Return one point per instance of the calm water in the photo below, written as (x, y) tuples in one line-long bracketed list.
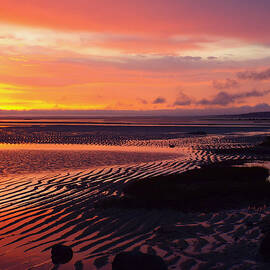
[(75, 165), (31, 158), (36, 145)]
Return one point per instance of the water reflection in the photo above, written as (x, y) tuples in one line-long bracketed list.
[(29, 158)]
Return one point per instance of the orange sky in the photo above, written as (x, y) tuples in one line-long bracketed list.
[(134, 55)]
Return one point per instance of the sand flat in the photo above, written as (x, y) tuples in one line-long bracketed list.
[(41, 209)]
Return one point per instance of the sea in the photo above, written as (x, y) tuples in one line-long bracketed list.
[(55, 172), (39, 144)]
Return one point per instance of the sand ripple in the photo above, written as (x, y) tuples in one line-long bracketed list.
[(40, 210)]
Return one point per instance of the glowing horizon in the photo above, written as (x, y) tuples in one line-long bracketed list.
[(152, 56)]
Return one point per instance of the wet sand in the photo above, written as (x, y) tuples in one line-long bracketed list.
[(39, 210)]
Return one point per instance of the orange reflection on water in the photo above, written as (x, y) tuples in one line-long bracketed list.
[(90, 147), (17, 159)]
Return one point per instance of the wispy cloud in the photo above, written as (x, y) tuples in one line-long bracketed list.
[(224, 98), (142, 100), (182, 100), (159, 100), (253, 75), (227, 84)]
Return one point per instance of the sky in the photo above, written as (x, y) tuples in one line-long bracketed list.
[(176, 57)]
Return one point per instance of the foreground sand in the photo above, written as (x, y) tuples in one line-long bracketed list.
[(38, 211)]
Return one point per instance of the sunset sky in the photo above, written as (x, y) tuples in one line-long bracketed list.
[(179, 56)]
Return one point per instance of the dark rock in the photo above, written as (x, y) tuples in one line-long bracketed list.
[(264, 249), (61, 254), (138, 261)]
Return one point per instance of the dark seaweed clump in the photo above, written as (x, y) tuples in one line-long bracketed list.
[(266, 142), (205, 189)]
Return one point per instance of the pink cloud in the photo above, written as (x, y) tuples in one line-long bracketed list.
[(246, 19)]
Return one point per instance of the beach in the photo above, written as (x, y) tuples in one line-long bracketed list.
[(134, 135), (50, 192)]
